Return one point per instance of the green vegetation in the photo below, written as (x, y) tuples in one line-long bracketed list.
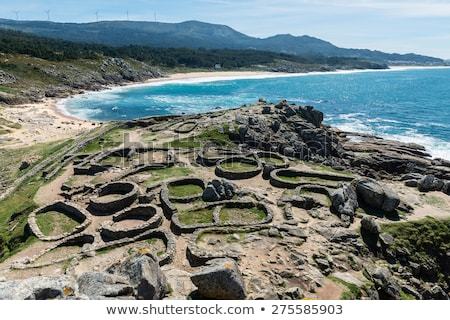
[(184, 190), (9, 124), (237, 166), (14, 209), (293, 179), (53, 223), (271, 160), (166, 173), (426, 242), (218, 136), (241, 215), (352, 292), (204, 215), (434, 201), (113, 138), (13, 42), (115, 161)]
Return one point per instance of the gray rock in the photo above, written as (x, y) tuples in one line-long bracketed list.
[(446, 188), (376, 196), (220, 279), (100, 285), (384, 282), (344, 200), (411, 183), (37, 288), (218, 190), (386, 240), (370, 225), (145, 276), (210, 194), (430, 183)]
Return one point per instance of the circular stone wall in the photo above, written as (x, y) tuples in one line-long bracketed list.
[(272, 159), (65, 208), (114, 196), (146, 214), (237, 168), (292, 178)]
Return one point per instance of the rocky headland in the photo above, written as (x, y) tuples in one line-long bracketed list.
[(259, 202)]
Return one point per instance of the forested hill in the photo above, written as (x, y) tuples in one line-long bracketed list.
[(33, 67), (194, 34)]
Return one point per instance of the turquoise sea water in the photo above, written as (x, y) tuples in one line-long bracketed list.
[(406, 105)]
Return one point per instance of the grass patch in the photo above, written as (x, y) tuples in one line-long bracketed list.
[(53, 223), (271, 161), (197, 216), (166, 173), (237, 166), (241, 215), (434, 201), (290, 178), (115, 161), (9, 124), (352, 292), (184, 190), (218, 135), (427, 242), (111, 139)]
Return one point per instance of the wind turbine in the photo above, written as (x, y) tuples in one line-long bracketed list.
[(48, 14), (96, 15), (17, 14), (128, 16)]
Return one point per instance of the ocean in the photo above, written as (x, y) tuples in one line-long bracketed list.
[(410, 105)]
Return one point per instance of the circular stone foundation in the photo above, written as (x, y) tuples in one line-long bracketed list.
[(272, 159), (61, 214), (131, 222), (186, 127), (113, 197), (237, 168), (292, 178)]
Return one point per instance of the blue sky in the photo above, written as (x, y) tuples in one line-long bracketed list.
[(393, 26)]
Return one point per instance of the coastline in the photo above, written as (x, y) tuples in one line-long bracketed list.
[(60, 124)]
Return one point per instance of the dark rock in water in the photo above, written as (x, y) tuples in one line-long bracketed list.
[(430, 183), (376, 196), (37, 288), (220, 279), (100, 285), (344, 201), (145, 276), (218, 190), (370, 225)]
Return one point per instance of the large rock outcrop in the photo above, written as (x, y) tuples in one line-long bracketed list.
[(220, 279), (377, 196)]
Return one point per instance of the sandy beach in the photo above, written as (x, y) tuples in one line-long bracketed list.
[(44, 121), (47, 121)]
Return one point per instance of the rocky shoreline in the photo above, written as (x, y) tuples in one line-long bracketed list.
[(260, 202)]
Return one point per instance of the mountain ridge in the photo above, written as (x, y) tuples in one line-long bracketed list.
[(196, 34)]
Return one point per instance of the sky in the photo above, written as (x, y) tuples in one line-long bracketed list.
[(401, 26)]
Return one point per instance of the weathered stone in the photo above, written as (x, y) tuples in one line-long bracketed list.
[(37, 288), (344, 200), (376, 196), (370, 225), (98, 285), (430, 183), (145, 276), (220, 279)]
